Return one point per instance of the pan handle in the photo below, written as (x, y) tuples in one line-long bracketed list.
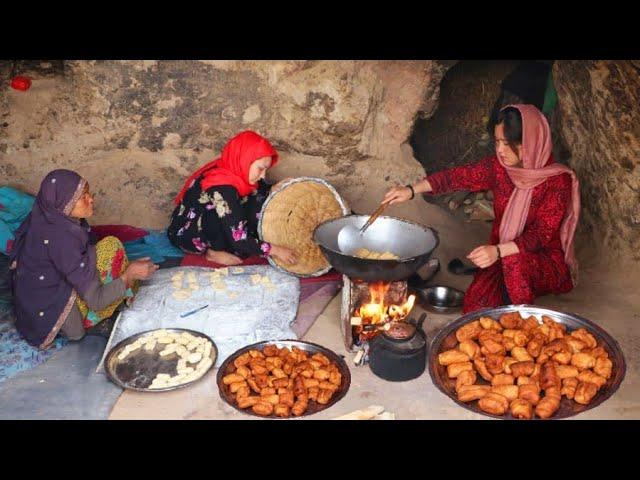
[(374, 216)]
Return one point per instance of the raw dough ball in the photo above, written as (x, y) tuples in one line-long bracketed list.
[(165, 339), (194, 357)]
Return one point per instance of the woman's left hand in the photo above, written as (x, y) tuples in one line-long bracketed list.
[(484, 256)]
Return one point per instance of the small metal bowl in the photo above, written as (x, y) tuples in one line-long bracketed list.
[(441, 299)]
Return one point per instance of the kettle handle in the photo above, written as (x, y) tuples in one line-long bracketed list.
[(418, 323)]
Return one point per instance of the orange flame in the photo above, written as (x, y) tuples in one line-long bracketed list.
[(377, 312)]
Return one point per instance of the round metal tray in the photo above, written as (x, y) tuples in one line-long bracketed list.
[(227, 367), (139, 368), (446, 339)]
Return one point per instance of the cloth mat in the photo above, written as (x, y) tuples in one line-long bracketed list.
[(245, 309), (14, 208)]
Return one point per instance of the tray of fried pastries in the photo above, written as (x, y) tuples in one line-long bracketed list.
[(526, 362), (283, 379), (160, 360)]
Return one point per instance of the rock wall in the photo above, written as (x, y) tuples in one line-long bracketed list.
[(136, 129), (600, 122)]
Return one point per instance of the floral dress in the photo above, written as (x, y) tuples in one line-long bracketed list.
[(219, 219)]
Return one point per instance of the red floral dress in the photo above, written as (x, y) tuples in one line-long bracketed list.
[(539, 268)]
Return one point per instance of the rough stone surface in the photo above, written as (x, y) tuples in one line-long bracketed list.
[(600, 109), (136, 129)]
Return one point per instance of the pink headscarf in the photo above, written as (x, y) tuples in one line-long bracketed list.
[(536, 149)]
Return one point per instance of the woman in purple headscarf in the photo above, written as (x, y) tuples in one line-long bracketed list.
[(55, 274)]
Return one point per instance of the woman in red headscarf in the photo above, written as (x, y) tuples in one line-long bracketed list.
[(536, 206), (218, 208)]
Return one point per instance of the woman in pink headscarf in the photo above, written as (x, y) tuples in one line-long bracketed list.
[(536, 204)]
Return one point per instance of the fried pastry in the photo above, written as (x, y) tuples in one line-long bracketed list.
[(603, 367), (453, 356), (493, 403), (469, 331), (585, 392), (521, 409)]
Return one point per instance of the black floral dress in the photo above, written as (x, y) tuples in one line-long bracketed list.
[(219, 219)]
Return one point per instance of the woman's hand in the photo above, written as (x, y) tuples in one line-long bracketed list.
[(397, 195), (484, 256), (283, 254), (140, 269)]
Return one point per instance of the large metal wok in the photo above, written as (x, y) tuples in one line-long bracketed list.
[(410, 241)]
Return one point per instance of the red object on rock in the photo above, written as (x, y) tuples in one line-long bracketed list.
[(21, 83)]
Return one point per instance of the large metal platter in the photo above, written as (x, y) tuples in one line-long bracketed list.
[(446, 340), (228, 367), (140, 367)]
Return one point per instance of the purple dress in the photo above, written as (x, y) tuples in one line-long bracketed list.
[(52, 259)]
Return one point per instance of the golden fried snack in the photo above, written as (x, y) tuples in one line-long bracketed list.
[(321, 374), (603, 367), (548, 405), (583, 361), (243, 392), (481, 366), (253, 385), (266, 391), (455, 369), (274, 362), (256, 354), (312, 382), (569, 386), (452, 356), (521, 354), (485, 335), (257, 369), (281, 410), (502, 379), (511, 320), (234, 387), (589, 376), (542, 358), (287, 398), (495, 363), (281, 382), (328, 386), (272, 399), (319, 357), (562, 358), (549, 377), (470, 348), (313, 393), (510, 392), (521, 409), (555, 346), (598, 352), (522, 369), (262, 408), (508, 344), (524, 381), (467, 377), (530, 324), (491, 347), (270, 350), (324, 396), (298, 387), (566, 371), (508, 361), (246, 402), (469, 393), (242, 360), (489, 323), (243, 371), (494, 404), (469, 331), (261, 380), (335, 377), (534, 346), (301, 405), (575, 344), (288, 368), (232, 378), (529, 392), (585, 336), (585, 392)]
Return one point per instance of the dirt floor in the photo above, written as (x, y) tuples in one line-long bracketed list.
[(607, 296)]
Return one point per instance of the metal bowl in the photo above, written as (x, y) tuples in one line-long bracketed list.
[(440, 298), (228, 367), (446, 339)]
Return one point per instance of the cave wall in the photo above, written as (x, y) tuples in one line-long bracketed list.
[(599, 104), (136, 129)]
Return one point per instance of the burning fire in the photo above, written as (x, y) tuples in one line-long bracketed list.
[(377, 312)]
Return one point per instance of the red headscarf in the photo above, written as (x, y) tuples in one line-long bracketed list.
[(536, 150), (232, 168)]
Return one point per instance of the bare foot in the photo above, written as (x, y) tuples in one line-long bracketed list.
[(224, 258)]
